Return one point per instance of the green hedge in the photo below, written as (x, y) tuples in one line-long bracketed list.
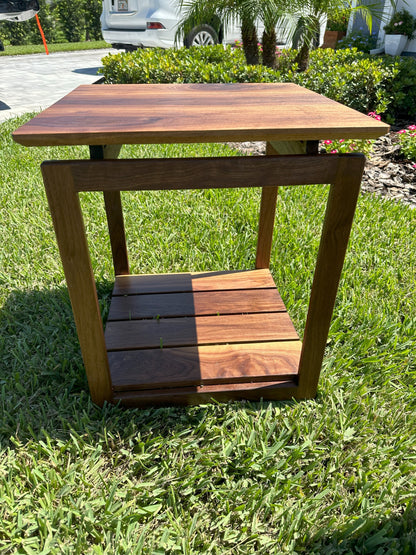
[(211, 64), (351, 77), (61, 20), (384, 85)]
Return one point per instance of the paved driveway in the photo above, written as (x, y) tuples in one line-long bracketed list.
[(34, 82)]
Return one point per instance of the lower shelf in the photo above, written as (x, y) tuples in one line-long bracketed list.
[(191, 338)]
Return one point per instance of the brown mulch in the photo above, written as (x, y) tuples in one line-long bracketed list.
[(386, 173)]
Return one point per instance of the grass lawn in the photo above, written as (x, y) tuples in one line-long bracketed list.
[(333, 475), (58, 47)]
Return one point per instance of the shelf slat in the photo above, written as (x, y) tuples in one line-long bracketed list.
[(204, 365), (182, 337), (202, 330), (278, 390), (205, 303), (195, 281)]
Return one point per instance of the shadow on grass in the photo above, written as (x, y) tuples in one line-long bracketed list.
[(44, 392), (369, 536), (43, 386), (42, 378)]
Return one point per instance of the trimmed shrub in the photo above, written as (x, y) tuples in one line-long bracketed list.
[(384, 85), (92, 10), (15, 34), (211, 64), (402, 89), (51, 25), (62, 20), (350, 77), (72, 17)]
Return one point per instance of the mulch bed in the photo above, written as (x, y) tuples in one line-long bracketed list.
[(386, 173)]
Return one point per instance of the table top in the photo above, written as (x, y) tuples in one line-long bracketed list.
[(182, 113)]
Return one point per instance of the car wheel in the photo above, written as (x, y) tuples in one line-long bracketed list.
[(202, 35)]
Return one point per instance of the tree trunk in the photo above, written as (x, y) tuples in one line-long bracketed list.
[(250, 42), (302, 58), (269, 48)]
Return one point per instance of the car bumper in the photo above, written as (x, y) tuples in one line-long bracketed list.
[(147, 38)]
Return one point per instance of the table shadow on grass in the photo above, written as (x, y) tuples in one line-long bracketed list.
[(43, 385), (42, 376)]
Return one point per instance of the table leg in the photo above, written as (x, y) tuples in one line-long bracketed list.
[(70, 233), (336, 229), (266, 220), (114, 211), (293, 147), (269, 198)]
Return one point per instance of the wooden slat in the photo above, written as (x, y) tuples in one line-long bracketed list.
[(202, 330), (193, 281), (200, 173), (166, 113), (278, 390), (206, 303), (187, 366)]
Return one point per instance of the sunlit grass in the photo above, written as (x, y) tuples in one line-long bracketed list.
[(10, 50)]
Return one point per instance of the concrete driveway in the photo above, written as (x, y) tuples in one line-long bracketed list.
[(34, 82)]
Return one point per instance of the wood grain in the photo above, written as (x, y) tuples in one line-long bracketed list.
[(273, 391), (193, 281), (201, 330), (336, 230), (266, 220), (201, 173), (69, 229), (172, 113), (207, 365), (207, 303), (292, 147), (114, 212)]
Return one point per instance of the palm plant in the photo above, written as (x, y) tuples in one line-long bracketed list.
[(272, 14), (247, 12), (311, 13)]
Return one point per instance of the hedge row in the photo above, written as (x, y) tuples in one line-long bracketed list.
[(384, 85), (61, 20)]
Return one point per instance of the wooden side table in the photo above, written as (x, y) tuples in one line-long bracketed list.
[(189, 338)]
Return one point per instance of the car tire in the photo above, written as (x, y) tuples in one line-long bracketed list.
[(202, 35)]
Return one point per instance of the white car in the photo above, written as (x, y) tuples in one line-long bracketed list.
[(132, 24)]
